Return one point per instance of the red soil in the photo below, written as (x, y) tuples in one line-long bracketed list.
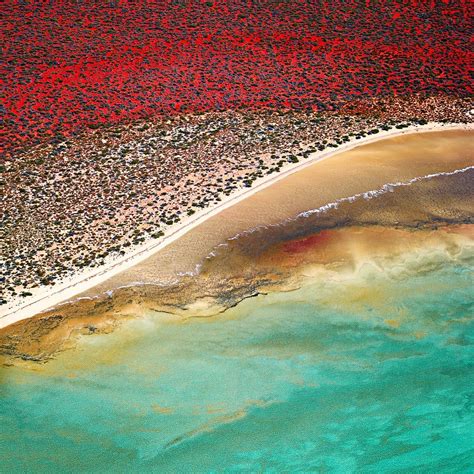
[(69, 65)]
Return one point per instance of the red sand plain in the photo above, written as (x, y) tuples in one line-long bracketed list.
[(72, 65)]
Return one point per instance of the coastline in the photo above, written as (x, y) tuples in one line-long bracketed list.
[(47, 297)]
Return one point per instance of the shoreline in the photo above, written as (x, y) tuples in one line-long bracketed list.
[(48, 297)]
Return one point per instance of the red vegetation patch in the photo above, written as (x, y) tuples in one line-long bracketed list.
[(69, 65)]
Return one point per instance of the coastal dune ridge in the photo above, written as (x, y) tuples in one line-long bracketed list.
[(45, 298)]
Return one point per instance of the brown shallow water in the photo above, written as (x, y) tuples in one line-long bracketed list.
[(417, 225)]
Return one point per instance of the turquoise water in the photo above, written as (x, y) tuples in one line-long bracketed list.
[(371, 377)]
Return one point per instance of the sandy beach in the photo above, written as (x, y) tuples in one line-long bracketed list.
[(125, 270)]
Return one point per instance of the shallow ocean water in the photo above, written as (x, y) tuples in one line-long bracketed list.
[(328, 378)]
